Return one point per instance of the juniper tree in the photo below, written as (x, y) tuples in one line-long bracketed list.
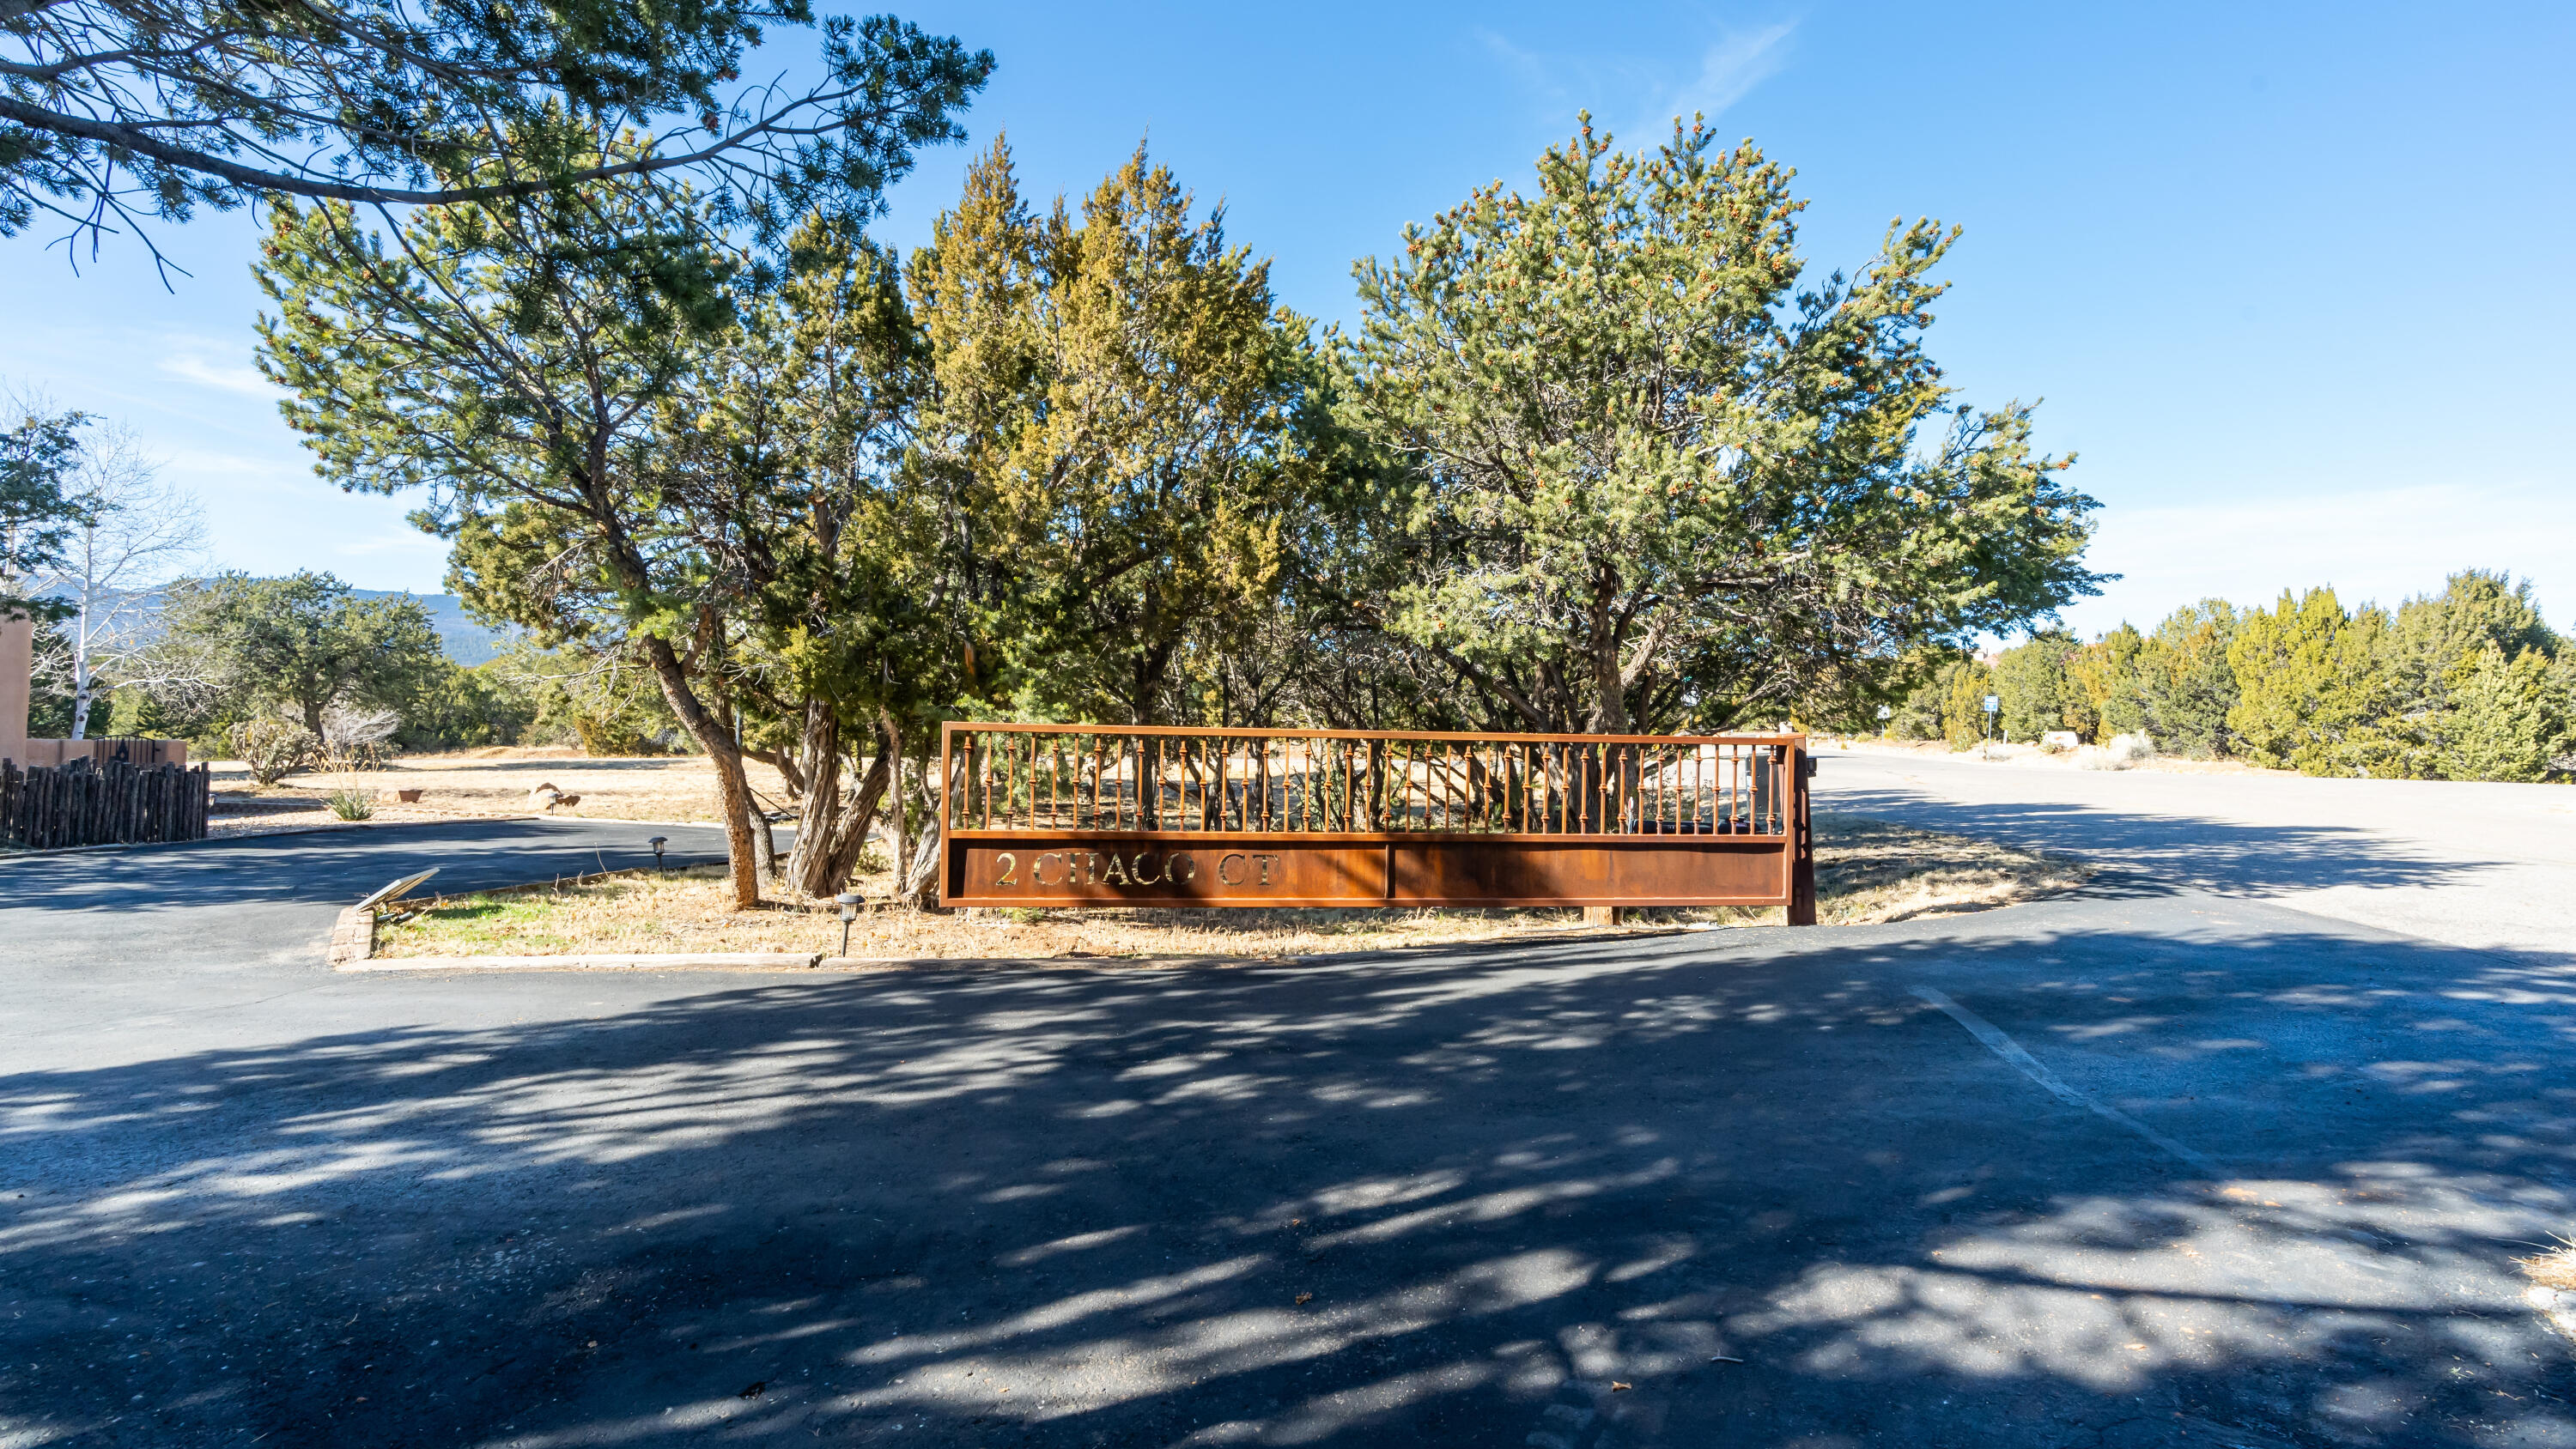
[(2502, 719), (1123, 397), (2186, 686), (1662, 475), (2102, 685), (2314, 688)]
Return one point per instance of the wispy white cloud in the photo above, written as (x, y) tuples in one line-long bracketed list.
[(1537, 76), (229, 465), (1638, 98), (392, 543), (238, 378), (1728, 71)]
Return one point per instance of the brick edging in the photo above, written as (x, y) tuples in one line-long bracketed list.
[(353, 937)]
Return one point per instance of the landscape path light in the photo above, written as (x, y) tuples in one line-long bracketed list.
[(849, 901), (657, 842)]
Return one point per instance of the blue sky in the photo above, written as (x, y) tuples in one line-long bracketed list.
[(2293, 281)]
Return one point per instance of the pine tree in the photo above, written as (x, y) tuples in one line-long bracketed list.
[(2436, 633)]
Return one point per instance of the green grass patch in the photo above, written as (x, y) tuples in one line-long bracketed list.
[(512, 924)]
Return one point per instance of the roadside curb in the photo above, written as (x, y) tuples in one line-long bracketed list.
[(359, 956), (618, 961)]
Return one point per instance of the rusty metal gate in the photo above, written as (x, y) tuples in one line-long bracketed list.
[(1093, 815)]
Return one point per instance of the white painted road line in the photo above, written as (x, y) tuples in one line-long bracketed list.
[(2010, 1050)]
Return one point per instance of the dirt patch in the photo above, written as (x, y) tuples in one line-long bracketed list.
[(486, 783), (1866, 871)]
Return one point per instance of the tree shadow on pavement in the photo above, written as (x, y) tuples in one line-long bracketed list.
[(2183, 850), (339, 867), (1548, 1200)]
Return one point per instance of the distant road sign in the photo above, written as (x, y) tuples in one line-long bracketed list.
[(1994, 702)]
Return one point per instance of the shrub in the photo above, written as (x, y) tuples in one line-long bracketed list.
[(351, 804), (273, 747), (356, 739)]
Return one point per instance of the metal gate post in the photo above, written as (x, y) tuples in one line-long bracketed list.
[(1802, 833)]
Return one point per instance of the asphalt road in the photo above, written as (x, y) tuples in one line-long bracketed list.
[(2490, 867), (216, 905), (2135, 1168)]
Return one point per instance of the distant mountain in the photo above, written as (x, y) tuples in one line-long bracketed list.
[(467, 642)]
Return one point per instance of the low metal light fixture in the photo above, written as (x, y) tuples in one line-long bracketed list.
[(657, 842), (849, 902)]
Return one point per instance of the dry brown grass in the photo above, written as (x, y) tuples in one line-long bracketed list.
[(1867, 870), (1870, 871), (490, 782), (2555, 1268)]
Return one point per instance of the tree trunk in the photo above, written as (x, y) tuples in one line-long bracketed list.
[(815, 781), (835, 832), (81, 684), (920, 885), (916, 860), (764, 844), (733, 791)]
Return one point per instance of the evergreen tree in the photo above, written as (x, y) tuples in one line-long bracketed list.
[(1964, 687), (39, 513), (507, 359), (1653, 483), (2030, 681), (2103, 690), (124, 109), (2476, 610), (2315, 691), (2186, 686), (2502, 720), (1127, 401), (302, 644)]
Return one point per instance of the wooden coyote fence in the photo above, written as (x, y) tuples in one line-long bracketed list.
[(115, 804), (1103, 815)]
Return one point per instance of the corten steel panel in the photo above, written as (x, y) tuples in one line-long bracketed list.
[(1592, 873), (1052, 871), (1290, 870), (1102, 815)]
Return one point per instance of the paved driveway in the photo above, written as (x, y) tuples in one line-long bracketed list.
[(2130, 1169), (2478, 865), (269, 901)]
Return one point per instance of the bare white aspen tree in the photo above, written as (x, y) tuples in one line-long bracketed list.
[(140, 534)]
